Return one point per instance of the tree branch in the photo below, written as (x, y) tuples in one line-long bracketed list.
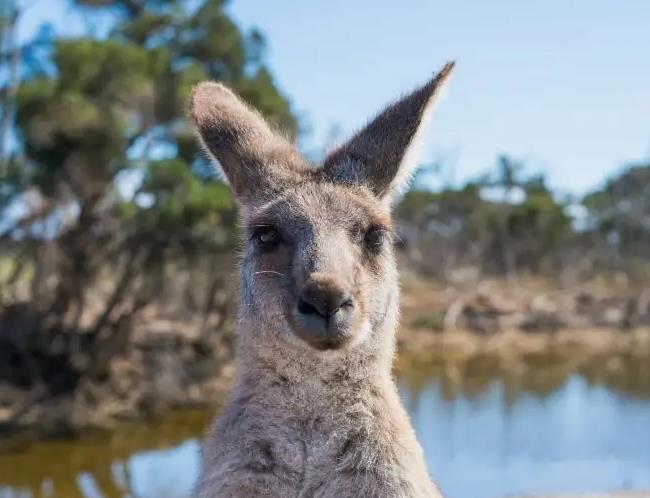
[(9, 95)]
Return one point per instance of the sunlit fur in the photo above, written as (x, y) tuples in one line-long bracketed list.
[(303, 422)]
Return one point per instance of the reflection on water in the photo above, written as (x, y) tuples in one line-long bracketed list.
[(541, 432), (157, 460), (489, 429)]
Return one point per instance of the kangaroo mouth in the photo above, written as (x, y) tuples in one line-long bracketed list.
[(328, 344), (322, 336), (323, 333)]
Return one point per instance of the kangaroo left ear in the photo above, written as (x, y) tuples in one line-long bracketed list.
[(258, 163), (384, 154)]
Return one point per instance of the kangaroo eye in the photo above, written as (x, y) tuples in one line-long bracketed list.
[(267, 237), (374, 239)]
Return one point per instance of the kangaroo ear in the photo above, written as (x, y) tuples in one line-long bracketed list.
[(257, 162), (384, 155)]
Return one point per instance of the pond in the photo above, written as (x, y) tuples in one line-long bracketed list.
[(488, 432)]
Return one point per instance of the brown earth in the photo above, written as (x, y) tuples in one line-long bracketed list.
[(526, 304)]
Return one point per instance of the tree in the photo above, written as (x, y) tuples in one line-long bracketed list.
[(113, 198), (619, 214), (500, 233), (9, 61)]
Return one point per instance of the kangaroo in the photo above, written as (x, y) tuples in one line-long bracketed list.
[(314, 411)]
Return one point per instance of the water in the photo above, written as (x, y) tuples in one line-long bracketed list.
[(487, 431), (579, 438)]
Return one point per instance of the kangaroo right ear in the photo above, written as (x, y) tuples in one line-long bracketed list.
[(258, 163), (383, 155)]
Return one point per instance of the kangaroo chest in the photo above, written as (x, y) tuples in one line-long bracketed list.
[(325, 432), (299, 447)]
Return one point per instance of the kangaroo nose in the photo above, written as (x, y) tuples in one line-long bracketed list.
[(325, 302), (324, 315)]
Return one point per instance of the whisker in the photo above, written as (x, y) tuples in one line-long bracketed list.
[(271, 272)]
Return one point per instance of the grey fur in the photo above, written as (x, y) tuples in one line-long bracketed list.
[(302, 422)]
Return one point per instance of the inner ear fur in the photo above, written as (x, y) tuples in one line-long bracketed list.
[(257, 162), (383, 155)]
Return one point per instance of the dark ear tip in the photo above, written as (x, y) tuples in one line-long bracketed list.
[(205, 96), (439, 81), (445, 72)]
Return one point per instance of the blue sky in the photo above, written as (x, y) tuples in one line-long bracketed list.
[(561, 84)]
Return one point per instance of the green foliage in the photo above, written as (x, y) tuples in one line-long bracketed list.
[(107, 165), (624, 201), (180, 201), (501, 233), (508, 221), (80, 123), (419, 204), (620, 211)]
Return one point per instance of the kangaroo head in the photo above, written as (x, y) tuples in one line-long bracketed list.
[(318, 265)]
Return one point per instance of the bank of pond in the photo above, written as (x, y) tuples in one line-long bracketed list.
[(490, 426)]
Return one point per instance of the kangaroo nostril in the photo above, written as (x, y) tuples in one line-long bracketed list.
[(345, 302), (324, 303), (307, 309)]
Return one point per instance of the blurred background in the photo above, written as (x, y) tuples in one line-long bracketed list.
[(524, 243)]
